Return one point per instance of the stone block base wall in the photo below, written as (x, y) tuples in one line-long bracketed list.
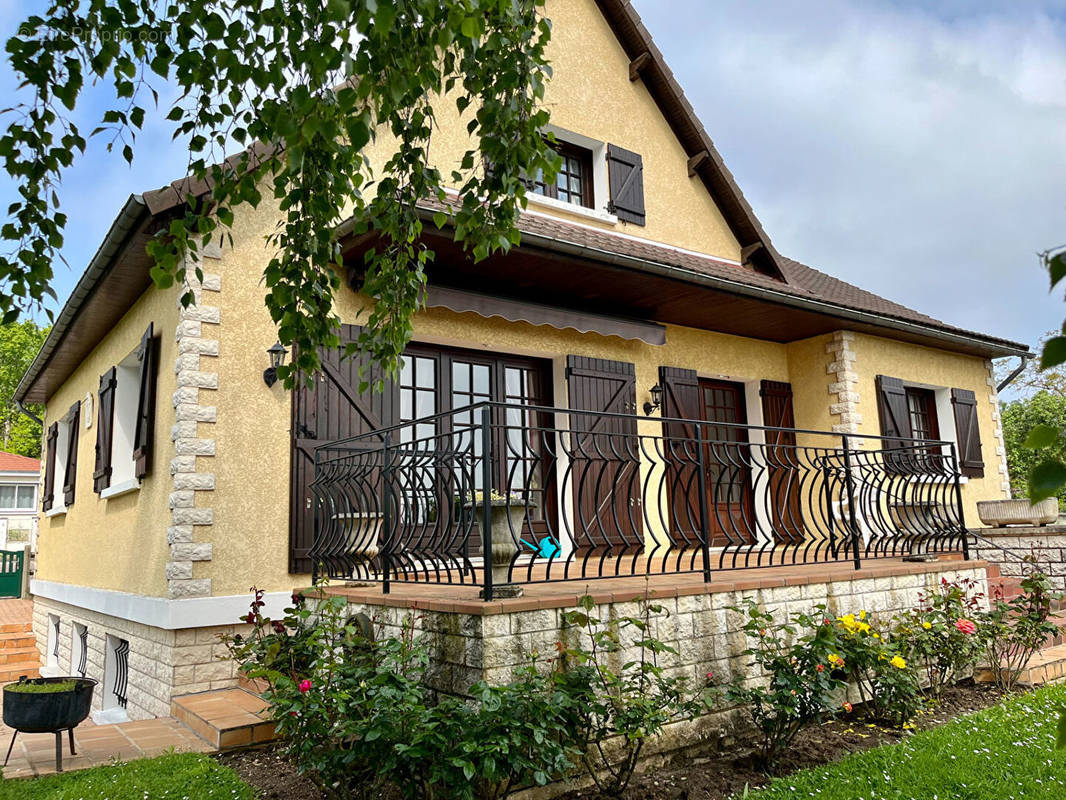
[(1046, 547), (467, 647), (162, 663)]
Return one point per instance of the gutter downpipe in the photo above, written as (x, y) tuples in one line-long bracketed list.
[(1010, 378), (27, 413)]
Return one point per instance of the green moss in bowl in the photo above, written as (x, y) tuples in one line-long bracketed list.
[(42, 688)]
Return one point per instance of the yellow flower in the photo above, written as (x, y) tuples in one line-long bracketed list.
[(862, 614), (898, 662), (863, 627), (927, 625), (877, 636)]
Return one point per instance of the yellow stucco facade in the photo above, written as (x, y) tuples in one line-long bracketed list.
[(116, 543), (121, 543)]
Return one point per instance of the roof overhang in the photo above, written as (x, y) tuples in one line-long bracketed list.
[(116, 276)]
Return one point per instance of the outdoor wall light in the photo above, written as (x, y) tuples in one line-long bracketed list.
[(277, 354), (656, 400)]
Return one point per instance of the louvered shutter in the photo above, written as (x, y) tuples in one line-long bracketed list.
[(50, 466), (892, 407), (331, 408), (70, 474), (967, 432), (681, 401), (625, 171), (782, 461), (105, 424), (144, 433), (605, 457)]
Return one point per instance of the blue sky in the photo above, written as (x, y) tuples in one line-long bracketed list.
[(917, 149)]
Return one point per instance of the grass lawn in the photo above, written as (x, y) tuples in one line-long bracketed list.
[(188, 776), (1002, 753)]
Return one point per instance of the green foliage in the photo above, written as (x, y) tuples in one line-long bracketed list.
[(302, 89), (1006, 751), (357, 717), (19, 343), (617, 705), (41, 688), (936, 637), (800, 687), (1013, 630), (168, 777), (1033, 436), (888, 687)]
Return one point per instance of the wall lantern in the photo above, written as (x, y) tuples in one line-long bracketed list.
[(656, 400), (277, 354)]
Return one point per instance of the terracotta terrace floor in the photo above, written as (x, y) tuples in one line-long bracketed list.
[(463, 598)]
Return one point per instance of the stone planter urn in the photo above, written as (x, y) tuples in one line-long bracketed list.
[(1001, 513), (507, 516)]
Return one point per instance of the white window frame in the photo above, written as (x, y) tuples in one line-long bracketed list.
[(601, 187), (59, 471), (124, 427), (17, 486)]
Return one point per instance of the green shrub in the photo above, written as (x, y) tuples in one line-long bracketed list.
[(1013, 630), (30, 687), (940, 636), (617, 705), (888, 686), (355, 714), (801, 687)]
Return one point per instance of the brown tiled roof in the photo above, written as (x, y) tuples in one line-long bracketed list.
[(10, 462)]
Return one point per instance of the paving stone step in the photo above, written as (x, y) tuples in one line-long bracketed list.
[(1047, 666), (15, 670), (9, 641), (227, 719), (16, 627), (18, 655)]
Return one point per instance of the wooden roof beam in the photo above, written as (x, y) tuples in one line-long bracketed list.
[(695, 161), (638, 64)]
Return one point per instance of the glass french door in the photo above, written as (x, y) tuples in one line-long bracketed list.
[(728, 460)]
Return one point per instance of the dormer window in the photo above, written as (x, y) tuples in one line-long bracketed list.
[(574, 182)]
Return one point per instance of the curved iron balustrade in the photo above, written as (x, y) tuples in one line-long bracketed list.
[(588, 496)]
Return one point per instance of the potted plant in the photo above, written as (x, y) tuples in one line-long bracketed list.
[(1001, 513), (507, 515), (47, 705)]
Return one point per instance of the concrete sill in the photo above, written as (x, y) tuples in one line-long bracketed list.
[(132, 485)]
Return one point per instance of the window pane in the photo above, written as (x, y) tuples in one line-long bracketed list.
[(460, 377), (481, 379), (425, 404), (406, 372), (7, 495), (427, 379), (25, 496)]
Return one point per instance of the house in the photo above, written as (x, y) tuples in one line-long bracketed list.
[(645, 381), (19, 477)]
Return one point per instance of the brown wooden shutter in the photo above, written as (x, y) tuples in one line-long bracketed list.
[(782, 461), (144, 433), (105, 424), (625, 171), (330, 409), (892, 408), (70, 474), (50, 466), (605, 457), (967, 432), (681, 401)]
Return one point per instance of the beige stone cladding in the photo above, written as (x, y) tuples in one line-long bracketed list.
[(162, 663), (1020, 550), (466, 648)]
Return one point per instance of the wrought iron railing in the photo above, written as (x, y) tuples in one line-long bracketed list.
[(122, 672), (499, 494)]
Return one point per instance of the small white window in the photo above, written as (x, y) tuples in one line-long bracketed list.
[(52, 656), (127, 390), (79, 649), (18, 497), (62, 454)]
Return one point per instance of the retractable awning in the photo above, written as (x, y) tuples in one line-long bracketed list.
[(537, 314)]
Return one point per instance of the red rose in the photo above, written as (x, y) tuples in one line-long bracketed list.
[(305, 686), (820, 668), (965, 626)]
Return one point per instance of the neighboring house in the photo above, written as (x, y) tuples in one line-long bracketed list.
[(19, 477), (175, 479)]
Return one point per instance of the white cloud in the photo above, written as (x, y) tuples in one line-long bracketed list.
[(917, 155)]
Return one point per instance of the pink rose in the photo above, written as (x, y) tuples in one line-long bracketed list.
[(305, 686), (965, 626)]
